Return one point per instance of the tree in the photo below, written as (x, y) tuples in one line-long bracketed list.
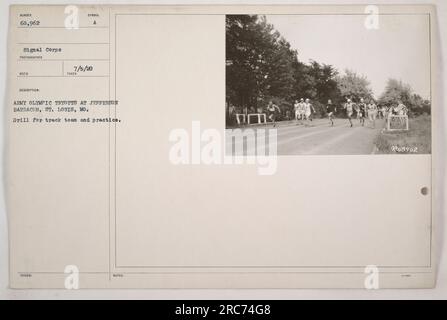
[(281, 80), (259, 63), (324, 80), (258, 59), (261, 66), (242, 64), (354, 86), (396, 91)]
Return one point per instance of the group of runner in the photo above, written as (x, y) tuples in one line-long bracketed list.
[(371, 111), (304, 111), (362, 110)]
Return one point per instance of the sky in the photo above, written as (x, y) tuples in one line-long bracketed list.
[(399, 49)]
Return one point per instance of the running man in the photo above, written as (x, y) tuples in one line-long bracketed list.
[(301, 109), (297, 108), (349, 107), (372, 113), (308, 109), (361, 111), (330, 110), (272, 110)]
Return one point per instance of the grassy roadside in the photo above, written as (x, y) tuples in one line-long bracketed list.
[(415, 141)]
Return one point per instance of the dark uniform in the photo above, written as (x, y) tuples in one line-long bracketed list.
[(330, 110), (362, 112)]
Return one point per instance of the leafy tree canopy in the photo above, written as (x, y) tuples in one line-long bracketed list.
[(261, 66)]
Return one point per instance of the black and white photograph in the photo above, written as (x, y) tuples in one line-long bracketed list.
[(244, 152), (348, 84)]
